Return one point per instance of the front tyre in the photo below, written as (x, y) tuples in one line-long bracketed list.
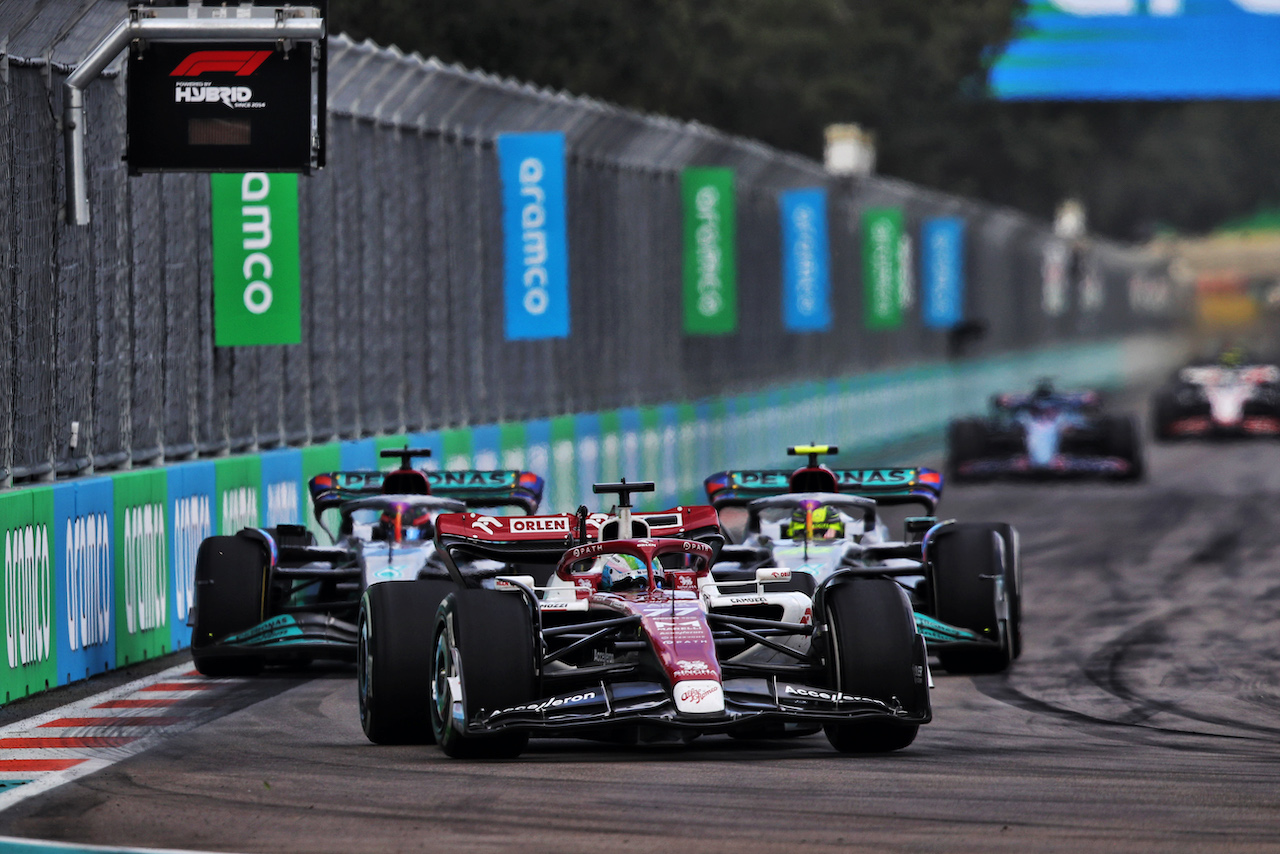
[(230, 596), (483, 660), (393, 659), (874, 652), (967, 560)]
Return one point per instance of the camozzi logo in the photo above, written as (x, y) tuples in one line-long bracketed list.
[(145, 572), (239, 509), (88, 577), (28, 601), (192, 522)]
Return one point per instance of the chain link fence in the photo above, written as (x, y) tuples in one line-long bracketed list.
[(106, 344)]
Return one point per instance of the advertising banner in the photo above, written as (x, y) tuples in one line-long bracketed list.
[(83, 512), (456, 448), (535, 238), (691, 453), (562, 485), (485, 442), (27, 525), (537, 456), (318, 459), (238, 496), (512, 439), (586, 433), (360, 455), (257, 292), (710, 264), (881, 238), (282, 487), (942, 258), (806, 285), (192, 494), (650, 456), (142, 585), (391, 443), (610, 446), (1124, 50), (433, 440), (631, 434)]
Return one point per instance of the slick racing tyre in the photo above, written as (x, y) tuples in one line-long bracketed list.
[(393, 659), (231, 577), (873, 653), (1012, 583), (1123, 442), (1164, 411), (483, 647), (966, 440), (967, 558)]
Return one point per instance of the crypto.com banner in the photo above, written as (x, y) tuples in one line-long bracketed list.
[(1143, 49), (806, 287), (535, 239)]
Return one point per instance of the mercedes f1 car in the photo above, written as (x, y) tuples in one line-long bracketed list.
[(613, 628), (275, 596), (963, 578), (1235, 396), (1047, 433)]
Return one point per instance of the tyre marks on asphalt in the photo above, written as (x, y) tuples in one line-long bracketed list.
[(46, 751)]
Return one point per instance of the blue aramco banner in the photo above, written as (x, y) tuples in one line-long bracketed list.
[(806, 286), (942, 266), (536, 280), (84, 515), (1143, 49)]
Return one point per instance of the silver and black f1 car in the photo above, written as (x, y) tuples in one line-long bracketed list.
[(557, 626), (275, 596), (963, 577), (1234, 396), (1047, 433)]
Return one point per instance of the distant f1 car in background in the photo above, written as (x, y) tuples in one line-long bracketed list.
[(275, 596), (1046, 433), (963, 578), (1234, 396)]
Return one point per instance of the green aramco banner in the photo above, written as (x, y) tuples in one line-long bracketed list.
[(881, 271), (710, 269), (256, 278)]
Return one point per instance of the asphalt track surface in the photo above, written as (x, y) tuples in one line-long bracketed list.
[(1144, 715)]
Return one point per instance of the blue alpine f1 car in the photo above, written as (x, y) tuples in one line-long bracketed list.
[(1047, 433)]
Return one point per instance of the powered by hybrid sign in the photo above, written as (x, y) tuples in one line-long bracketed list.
[(535, 238), (256, 271)]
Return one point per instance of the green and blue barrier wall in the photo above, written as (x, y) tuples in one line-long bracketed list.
[(98, 571)]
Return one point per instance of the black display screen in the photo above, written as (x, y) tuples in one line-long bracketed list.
[(219, 107)]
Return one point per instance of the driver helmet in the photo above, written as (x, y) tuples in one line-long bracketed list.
[(622, 572), (820, 523), (1232, 357), (405, 523)]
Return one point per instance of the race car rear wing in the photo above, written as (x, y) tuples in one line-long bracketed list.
[(887, 486), (545, 539), (474, 487)]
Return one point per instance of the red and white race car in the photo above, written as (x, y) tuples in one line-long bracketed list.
[(550, 626), (1232, 398)]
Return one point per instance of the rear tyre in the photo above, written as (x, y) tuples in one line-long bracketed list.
[(393, 659), (231, 576), (873, 654), (966, 440), (483, 647), (1123, 442), (1164, 411), (967, 558)]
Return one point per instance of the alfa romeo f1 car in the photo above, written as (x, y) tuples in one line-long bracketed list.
[(1236, 396), (612, 628), (275, 596), (1047, 433), (963, 579)]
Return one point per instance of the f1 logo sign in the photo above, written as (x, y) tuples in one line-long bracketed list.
[(240, 62)]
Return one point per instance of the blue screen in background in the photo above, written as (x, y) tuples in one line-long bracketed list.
[(1143, 49)]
